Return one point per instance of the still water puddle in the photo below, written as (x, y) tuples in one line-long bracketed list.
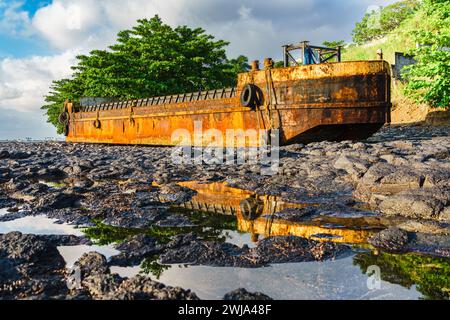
[(72, 253), (227, 214), (238, 238), (38, 225), (42, 225), (338, 279)]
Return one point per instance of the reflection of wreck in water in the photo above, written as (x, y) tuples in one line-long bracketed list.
[(255, 214)]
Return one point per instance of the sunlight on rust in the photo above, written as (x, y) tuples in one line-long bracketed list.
[(332, 101)]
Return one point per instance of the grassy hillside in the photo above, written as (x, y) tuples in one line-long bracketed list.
[(398, 40)]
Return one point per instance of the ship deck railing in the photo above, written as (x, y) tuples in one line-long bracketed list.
[(170, 99)]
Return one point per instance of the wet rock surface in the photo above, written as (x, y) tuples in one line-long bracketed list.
[(242, 294), (427, 203), (395, 240), (98, 282), (31, 267), (390, 240), (191, 250), (282, 249), (135, 249), (410, 164), (296, 249), (401, 172)]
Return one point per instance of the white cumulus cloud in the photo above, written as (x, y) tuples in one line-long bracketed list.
[(24, 81), (89, 24), (14, 20)]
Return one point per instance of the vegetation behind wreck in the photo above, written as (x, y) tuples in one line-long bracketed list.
[(150, 59), (154, 59), (420, 29)]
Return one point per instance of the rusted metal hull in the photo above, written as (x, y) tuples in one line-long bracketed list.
[(333, 101)]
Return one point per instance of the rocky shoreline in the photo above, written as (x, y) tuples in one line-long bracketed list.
[(402, 172)]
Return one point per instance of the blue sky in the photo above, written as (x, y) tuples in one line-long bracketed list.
[(39, 39), (17, 45), (31, 6)]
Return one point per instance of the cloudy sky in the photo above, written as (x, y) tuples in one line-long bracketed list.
[(40, 38)]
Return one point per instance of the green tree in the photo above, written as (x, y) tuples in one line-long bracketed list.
[(393, 15), (366, 30), (429, 79), (150, 59), (278, 64), (334, 44), (238, 65), (378, 23)]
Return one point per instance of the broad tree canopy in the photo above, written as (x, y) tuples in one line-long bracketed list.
[(150, 59)]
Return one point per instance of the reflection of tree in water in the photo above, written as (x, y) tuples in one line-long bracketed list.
[(431, 275), (102, 234), (208, 219), (208, 227), (151, 266)]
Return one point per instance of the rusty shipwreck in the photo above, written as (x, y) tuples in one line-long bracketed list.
[(310, 101)]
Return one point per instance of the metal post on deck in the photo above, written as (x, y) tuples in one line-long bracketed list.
[(380, 54), (255, 65), (304, 45), (310, 54), (268, 63), (285, 56)]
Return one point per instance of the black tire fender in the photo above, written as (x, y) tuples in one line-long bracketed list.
[(63, 118), (249, 96), (251, 208), (97, 124)]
